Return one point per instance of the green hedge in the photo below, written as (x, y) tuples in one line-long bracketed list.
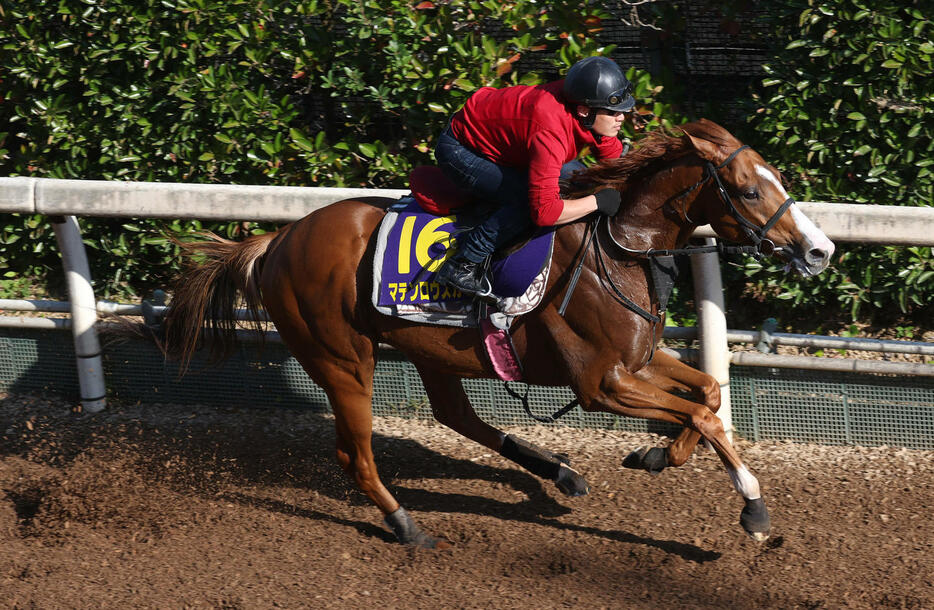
[(353, 93), (339, 93), (847, 110)]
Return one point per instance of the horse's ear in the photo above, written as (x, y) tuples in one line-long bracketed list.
[(705, 148), (708, 139)]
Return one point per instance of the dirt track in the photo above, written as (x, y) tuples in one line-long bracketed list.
[(170, 507)]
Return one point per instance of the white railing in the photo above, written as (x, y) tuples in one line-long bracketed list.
[(63, 200)]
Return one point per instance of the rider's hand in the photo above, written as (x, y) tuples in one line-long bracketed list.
[(608, 201)]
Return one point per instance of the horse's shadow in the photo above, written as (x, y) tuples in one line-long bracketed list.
[(312, 465), (212, 452)]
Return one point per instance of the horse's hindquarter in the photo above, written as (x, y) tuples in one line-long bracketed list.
[(317, 285), (311, 281)]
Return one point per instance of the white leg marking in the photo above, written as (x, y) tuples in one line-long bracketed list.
[(746, 484)]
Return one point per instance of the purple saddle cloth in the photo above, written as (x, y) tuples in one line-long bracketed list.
[(411, 247)]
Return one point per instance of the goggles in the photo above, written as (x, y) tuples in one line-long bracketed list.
[(615, 98)]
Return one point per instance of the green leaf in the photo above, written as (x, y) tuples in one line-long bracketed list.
[(300, 140)]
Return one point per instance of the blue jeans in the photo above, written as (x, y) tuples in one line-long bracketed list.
[(505, 188)]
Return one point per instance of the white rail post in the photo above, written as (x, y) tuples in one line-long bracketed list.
[(711, 327), (83, 313)]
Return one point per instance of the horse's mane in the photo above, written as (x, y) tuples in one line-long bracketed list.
[(657, 147)]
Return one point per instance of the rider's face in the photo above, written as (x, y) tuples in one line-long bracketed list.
[(607, 122)]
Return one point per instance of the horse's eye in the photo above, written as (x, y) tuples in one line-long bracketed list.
[(750, 193)]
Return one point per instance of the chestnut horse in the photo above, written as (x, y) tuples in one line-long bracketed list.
[(314, 279)]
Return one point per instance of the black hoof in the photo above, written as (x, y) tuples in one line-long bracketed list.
[(409, 534), (755, 520), (570, 482), (652, 460)]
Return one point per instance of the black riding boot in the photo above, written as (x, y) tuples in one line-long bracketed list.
[(465, 275)]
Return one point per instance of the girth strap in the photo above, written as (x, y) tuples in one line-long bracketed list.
[(577, 270)]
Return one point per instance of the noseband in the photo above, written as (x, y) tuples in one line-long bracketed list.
[(755, 234), (762, 246)]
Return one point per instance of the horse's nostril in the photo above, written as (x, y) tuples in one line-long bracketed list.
[(816, 255)]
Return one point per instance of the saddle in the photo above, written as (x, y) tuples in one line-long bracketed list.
[(418, 234)]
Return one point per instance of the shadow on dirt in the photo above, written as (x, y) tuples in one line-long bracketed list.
[(225, 453)]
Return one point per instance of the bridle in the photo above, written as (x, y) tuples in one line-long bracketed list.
[(755, 234), (762, 246)]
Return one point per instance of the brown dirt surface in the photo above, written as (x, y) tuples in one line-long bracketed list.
[(166, 506)]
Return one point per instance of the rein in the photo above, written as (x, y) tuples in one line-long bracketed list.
[(761, 245)]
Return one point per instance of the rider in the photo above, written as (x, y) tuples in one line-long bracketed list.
[(510, 146)]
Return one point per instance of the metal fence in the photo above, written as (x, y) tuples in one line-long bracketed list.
[(768, 403), (62, 199)]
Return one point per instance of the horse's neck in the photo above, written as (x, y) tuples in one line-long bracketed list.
[(652, 217)]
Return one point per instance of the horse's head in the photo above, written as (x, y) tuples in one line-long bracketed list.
[(745, 201)]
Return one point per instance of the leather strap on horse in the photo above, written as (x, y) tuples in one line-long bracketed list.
[(592, 227), (617, 294), (524, 399), (604, 275)]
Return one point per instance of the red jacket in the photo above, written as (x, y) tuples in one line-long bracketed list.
[(533, 128)]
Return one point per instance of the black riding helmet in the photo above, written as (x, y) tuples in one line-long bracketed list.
[(597, 82)]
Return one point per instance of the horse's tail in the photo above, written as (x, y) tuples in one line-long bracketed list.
[(206, 296)]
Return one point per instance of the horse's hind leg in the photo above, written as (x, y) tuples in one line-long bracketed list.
[(451, 407), (348, 382), (353, 416), (670, 374)]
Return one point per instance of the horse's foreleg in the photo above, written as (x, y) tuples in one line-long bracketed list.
[(670, 374), (622, 393), (451, 407)]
